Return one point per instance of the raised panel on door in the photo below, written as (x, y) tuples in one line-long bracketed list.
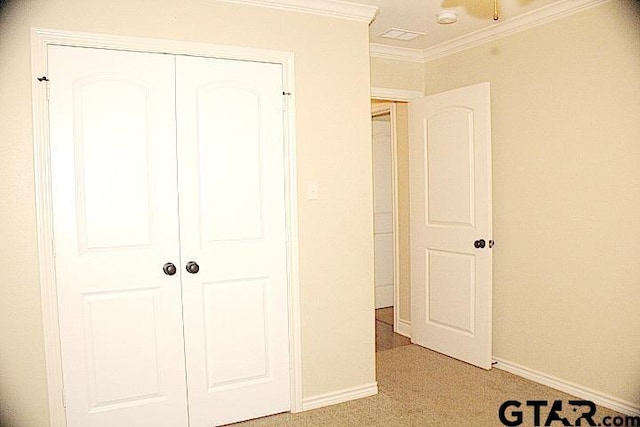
[(115, 214), (450, 279), (450, 179), (231, 179), (449, 160)]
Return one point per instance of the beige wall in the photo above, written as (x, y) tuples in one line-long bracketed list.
[(336, 245), (390, 74), (566, 193)]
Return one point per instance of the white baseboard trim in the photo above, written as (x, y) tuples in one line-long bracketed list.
[(340, 396), (403, 327), (611, 402)]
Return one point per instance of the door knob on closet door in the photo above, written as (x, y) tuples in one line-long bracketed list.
[(193, 267), (169, 269), (479, 244)]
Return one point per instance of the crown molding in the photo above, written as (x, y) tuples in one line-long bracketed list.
[(505, 28), (396, 53), (332, 8)]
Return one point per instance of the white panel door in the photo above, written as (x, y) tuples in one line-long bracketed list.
[(382, 210), (451, 228), (231, 183), (112, 136)]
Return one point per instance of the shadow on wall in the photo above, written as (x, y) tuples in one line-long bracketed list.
[(4, 6), (4, 415)]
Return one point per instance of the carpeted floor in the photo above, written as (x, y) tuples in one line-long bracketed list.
[(422, 388), (386, 339), (385, 315)]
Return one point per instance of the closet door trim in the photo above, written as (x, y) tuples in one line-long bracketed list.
[(41, 39)]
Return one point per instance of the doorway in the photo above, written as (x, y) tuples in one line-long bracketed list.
[(450, 183), (391, 223), (383, 211)]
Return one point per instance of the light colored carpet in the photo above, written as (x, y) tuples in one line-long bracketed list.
[(386, 339), (422, 388)]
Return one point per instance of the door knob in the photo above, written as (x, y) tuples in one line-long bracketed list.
[(479, 244), (192, 267), (169, 269)]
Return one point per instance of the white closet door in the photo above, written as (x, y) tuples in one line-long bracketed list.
[(112, 130), (232, 223)]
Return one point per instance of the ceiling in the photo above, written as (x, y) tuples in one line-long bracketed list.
[(420, 16)]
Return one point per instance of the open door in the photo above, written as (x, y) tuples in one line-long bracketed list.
[(451, 227)]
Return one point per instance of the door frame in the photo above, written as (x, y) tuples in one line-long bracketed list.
[(392, 96), (41, 39), (382, 110)]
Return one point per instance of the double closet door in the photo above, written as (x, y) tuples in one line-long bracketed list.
[(170, 241)]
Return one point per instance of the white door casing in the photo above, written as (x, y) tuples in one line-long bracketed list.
[(230, 132), (114, 170), (383, 207), (450, 207)]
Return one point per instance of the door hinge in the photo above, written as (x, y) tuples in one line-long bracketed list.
[(64, 398), (53, 247), (46, 81), (285, 100)]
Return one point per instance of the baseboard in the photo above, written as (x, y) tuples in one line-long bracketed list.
[(340, 396), (403, 327), (611, 402)]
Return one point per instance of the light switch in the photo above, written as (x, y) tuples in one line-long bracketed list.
[(312, 190)]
